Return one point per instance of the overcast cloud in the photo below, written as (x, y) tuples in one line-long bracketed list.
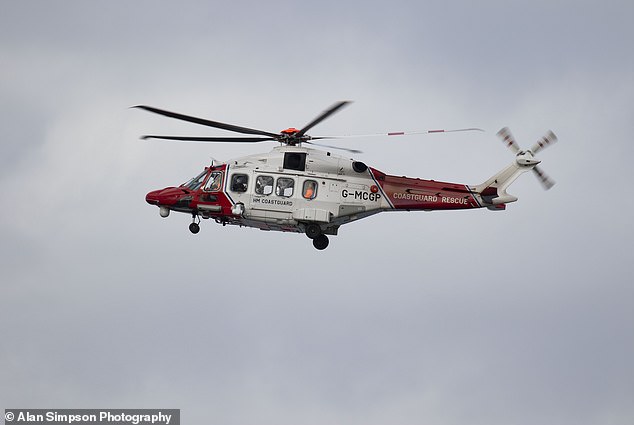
[(472, 317)]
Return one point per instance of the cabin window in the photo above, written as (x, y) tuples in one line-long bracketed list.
[(264, 185), (239, 183), (214, 183), (310, 189), (295, 161), (284, 187)]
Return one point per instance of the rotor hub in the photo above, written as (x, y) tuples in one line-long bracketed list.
[(291, 137), (290, 131)]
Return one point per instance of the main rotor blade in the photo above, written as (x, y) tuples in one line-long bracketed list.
[(211, 139), (544, 142), (397, 133), (208, 123), (508, 139), (546, 181), (332, 147), (328, 112)]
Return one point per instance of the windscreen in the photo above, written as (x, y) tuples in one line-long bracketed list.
[(196, 182)]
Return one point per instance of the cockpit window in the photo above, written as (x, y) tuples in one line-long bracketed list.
[(214, 183), (196, 182)]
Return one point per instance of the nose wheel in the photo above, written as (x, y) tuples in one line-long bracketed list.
[(195, 227)]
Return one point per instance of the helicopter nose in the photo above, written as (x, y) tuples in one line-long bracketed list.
[(153, 198)]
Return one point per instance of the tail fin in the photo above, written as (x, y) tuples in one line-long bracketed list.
[(493, 191)]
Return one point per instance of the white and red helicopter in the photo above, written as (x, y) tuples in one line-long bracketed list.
[(298, 189)]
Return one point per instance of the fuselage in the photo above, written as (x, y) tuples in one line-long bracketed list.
[(293, 187)]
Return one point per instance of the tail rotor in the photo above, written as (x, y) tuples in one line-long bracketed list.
[(526, 158)]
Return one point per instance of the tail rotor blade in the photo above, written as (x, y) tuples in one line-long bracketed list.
[(544, 142), (546, 181), (508, 139)]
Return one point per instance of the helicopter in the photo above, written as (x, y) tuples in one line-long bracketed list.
[(301, 189)]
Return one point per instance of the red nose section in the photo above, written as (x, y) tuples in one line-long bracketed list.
[(153, 197), (168, 196)]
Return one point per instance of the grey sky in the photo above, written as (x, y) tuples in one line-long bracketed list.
[(518, 317)]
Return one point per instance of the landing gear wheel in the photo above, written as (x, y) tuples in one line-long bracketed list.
[(313, 231), (194, 228), (321, 242)]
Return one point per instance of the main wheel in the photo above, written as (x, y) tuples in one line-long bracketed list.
[(313, 230), (321, 242), (194, 228)]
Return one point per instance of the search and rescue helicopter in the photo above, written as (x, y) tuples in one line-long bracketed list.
[(299, 189)]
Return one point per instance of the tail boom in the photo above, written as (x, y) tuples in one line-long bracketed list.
[(406, 193)]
